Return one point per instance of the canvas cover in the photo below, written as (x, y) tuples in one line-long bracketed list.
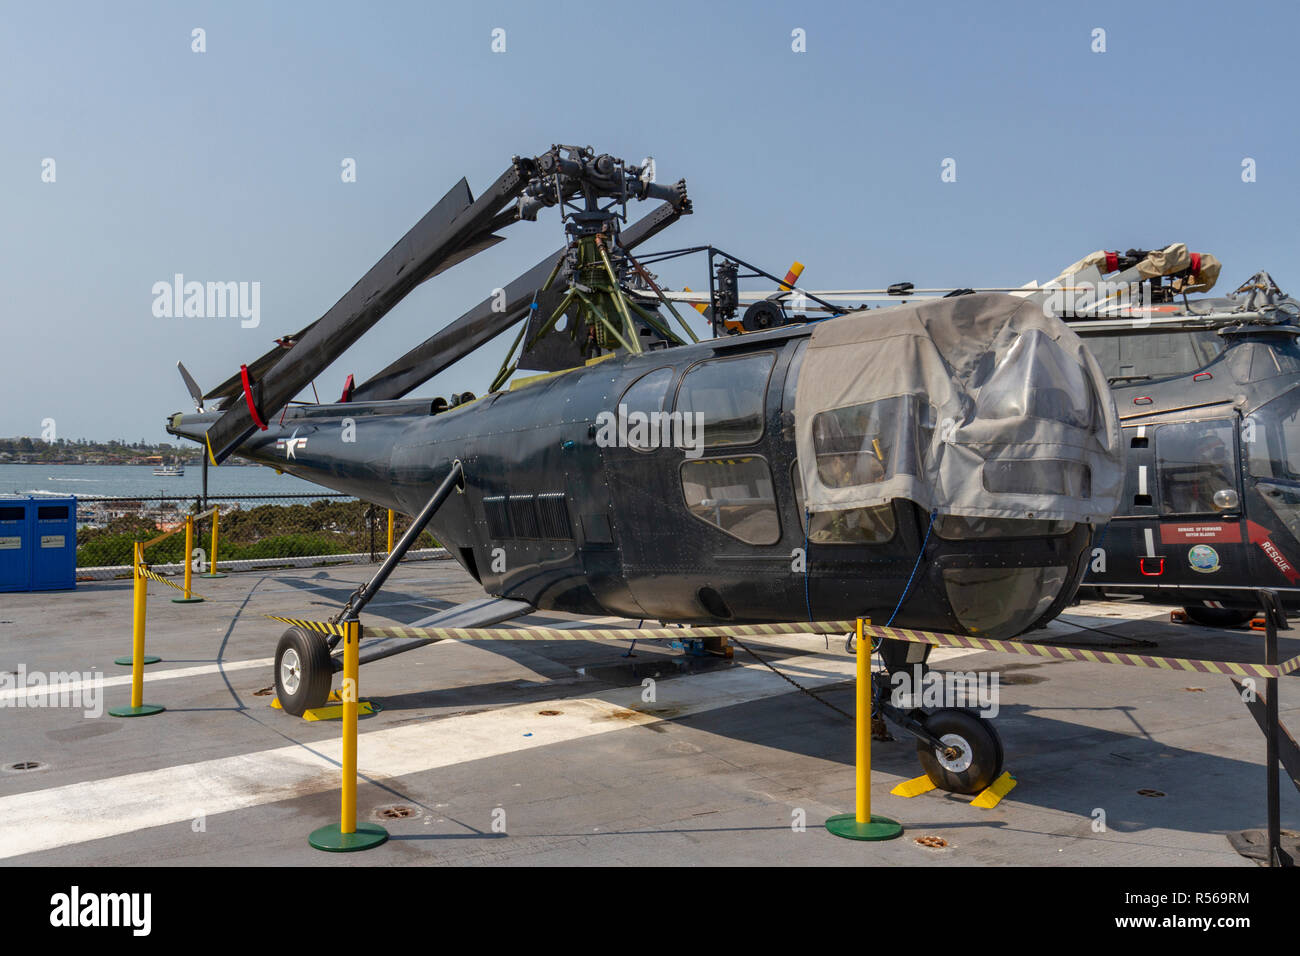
[(1161, 262), (977, 405)]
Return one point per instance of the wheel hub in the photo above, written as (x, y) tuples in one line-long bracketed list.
[(290, 671), (956, 756)]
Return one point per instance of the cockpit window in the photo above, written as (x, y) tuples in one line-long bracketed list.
[(873, 525), (1036, 379), (868, 444), (1271, 437), (1195, 460)]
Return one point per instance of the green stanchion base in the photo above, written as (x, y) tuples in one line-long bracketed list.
[(186, 600), (128, 661), (144, 710), (880, 828), (219, 574), (329, 838)]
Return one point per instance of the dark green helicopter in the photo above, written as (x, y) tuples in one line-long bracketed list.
[(942, 465)]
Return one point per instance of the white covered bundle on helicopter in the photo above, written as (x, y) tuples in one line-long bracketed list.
[(1192, 271), (977, 405)]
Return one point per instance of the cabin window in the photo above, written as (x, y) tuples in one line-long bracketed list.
[(791, 388), (1194, 461), (867, 444), (734, 495), (642, 405), (873, 525), (1271, 436), (727, 395)]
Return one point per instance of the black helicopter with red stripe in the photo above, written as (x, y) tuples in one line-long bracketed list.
[(1208, 392)]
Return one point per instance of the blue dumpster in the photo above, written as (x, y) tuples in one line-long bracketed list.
[(54, 543), (15, 545)]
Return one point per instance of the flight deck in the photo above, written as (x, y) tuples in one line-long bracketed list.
[(541, 753)]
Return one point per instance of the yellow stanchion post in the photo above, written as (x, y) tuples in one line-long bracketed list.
[(187, 596), (140, 596), (861, 824), (212, 571), (390, 531), (349, 835)]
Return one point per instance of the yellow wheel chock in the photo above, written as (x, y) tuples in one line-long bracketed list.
[(333, 711), (987, 799)]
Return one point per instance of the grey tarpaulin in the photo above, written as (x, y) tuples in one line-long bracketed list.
[(977, 405)]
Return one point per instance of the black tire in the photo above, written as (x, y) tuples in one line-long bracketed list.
[(979, 742), (1219, 616), (303, 680)]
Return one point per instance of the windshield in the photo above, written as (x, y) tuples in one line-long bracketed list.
[(1271, 437), (1128, 356)]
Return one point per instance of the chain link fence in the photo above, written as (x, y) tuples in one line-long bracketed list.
[(253, 532)]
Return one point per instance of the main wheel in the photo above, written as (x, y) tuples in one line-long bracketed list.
[(973, 758), (303, 672), (1219, 616)]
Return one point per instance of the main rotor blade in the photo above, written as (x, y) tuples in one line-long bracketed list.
[(483, 323), (451, 226)]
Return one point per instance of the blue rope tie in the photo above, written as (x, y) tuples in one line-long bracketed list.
[(807, 601), (912, 576)]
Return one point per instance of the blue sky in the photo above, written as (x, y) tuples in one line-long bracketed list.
[(225, 165)]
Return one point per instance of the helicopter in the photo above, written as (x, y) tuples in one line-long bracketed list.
[(943, 465), (1208, 394)]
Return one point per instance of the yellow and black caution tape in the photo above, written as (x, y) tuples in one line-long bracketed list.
[(935, 638), (320, 627), (1079, 654), (155, 576), (576, 634)]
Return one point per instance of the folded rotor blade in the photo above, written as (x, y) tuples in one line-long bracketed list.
[(439, 239)]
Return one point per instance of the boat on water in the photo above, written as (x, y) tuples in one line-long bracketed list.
[(170, 471)]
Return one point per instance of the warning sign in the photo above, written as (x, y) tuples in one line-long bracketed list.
[(1226, 531)]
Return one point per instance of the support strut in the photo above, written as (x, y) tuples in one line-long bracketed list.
[(368, 590)]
